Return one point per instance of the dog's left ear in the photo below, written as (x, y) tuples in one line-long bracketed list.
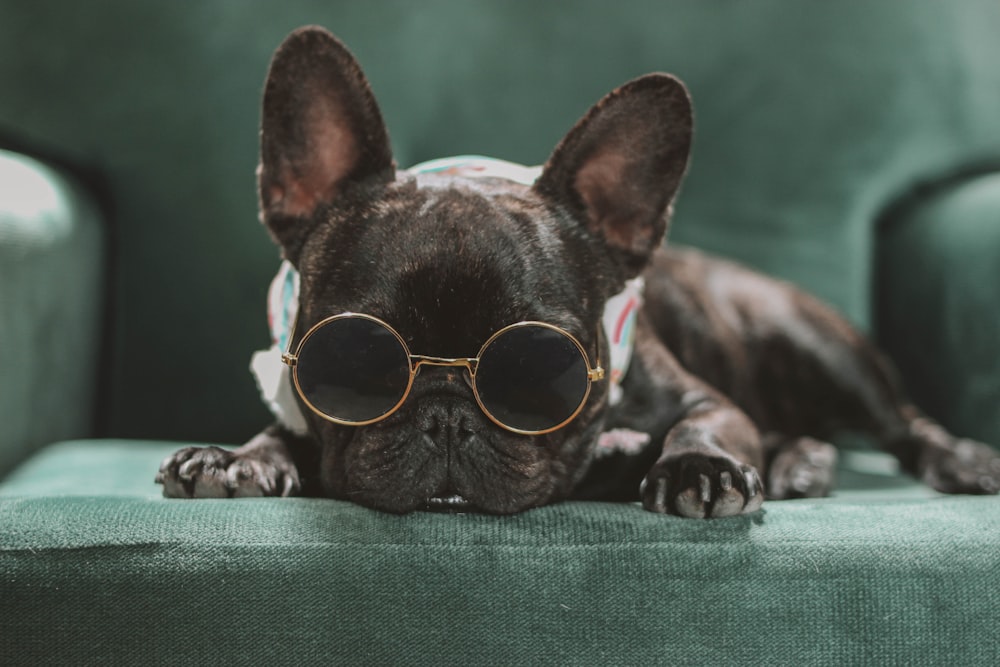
[(620, 167)]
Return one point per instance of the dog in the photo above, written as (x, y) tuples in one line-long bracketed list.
[(393, 281)]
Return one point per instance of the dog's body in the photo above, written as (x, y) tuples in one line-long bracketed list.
[(734, 375)]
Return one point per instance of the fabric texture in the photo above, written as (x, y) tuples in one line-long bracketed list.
[(51, 307), (95, 568)]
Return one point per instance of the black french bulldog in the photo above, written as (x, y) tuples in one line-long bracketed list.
[(735, 379)]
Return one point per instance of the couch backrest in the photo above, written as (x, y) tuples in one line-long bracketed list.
[(811, 117)]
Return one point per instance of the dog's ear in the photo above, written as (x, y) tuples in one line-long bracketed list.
[(321, 134), (620, 167)]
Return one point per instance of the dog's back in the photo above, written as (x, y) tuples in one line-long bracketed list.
[(791, 362)]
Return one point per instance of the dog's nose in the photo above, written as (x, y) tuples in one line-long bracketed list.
[(445, 419), (445, 406)]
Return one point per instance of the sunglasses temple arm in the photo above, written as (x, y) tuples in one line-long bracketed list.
[(287, 357), (598, 372)]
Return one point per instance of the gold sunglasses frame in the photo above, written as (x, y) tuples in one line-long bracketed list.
[(470, 364)]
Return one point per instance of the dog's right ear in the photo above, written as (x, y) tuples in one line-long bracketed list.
[(620, 167), (321, 133)]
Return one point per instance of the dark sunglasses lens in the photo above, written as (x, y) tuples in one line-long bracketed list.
[(353, 369), (531, 378)]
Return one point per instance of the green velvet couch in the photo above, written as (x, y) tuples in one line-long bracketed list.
[(852, 147)]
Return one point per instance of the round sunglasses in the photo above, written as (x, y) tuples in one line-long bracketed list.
[(529, 377)]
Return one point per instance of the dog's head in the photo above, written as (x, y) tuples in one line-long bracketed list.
[(449, 261)]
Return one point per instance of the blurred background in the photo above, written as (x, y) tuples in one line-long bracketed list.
[(851, 147)]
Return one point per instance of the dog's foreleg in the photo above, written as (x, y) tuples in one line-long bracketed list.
[(712, 451)]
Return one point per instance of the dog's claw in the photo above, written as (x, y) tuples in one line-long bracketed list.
[(705, 485), (661, 495), (289, 487), (726, 481), (189, 469), (755, 492)]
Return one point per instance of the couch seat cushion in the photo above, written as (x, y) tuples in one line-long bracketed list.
[(96, 567)]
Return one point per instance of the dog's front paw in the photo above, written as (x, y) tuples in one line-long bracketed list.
[(964, 466), (213, 472), (699, 486)]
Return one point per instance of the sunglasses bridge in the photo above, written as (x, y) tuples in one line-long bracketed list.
[(469, 363)]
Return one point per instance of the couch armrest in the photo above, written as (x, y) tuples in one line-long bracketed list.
[(51, 264), (938, 302)]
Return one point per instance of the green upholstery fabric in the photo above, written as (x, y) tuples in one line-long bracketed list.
[(51, 307), (99, 570), (939, 301), (810, 118)]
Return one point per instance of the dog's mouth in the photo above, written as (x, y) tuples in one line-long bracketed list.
[(453, 503)]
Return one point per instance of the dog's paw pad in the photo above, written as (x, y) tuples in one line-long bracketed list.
[(694, 501), (730, 500), (698, 487)]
